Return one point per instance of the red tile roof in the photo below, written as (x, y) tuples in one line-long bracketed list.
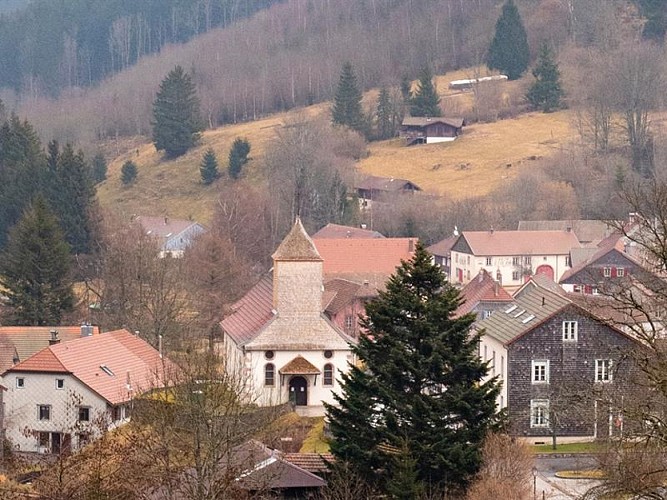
[(521, 242), (338, 231), (482, 288), (106, 363), (251, 312), (349, 256), (312, 462)]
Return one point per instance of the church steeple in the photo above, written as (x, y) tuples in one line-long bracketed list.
[(297, 275)]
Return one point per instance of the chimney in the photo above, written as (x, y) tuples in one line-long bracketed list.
[(568, 229), (499, 277), (543, 301), (86, 330), (54, 337)]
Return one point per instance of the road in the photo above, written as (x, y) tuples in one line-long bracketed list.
[(548, 486)]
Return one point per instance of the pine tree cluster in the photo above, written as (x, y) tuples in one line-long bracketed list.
[(238, 157)]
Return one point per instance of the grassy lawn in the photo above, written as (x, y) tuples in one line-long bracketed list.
[(315, 441), (591, 447)]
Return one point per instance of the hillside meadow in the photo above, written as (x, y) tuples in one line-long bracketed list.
[(486, 155)]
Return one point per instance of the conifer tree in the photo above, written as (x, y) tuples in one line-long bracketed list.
[(128, 173), (425, 101), (414, 410), (176, 115), (34, 269), (546, 91), (238, 157), (99, 168), (385, 116), (209, 167), (347, 101), (509, 52)]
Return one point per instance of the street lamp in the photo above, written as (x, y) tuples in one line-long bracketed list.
[(534, 483)]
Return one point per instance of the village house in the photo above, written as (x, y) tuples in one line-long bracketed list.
[(588, 232), (429, 130), (483, 296), (563, 370), (512, 257), (173, 235), (373, 189), (336, 231), (442, 253), (69, 392)]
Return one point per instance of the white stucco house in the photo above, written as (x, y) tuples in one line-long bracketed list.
[(278, 336), (68, 393), (511, 257)]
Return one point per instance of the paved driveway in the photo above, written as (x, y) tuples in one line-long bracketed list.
[(548, 486)]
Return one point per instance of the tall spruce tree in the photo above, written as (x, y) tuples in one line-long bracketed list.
[(98, 168), (385, 116), (347, 101), (415, 405), (176, 115), (208, 170), (34, 269), (509, 52), (128, 173), (546, 91), (425, 101)]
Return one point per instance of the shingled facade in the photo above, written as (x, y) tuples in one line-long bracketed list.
[(566, 370)]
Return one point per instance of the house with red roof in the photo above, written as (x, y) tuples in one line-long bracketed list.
[(69, 392), (483, 296), (512, 257)]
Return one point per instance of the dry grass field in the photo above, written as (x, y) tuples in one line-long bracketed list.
[(474, 164)]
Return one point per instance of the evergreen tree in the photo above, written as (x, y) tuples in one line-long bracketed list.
[(347, 101), (508, 52), (128, 173), (72, 194), (176, 116), (209, 167), (546, 91), (406, 89), (416, 399), (99, 168), (34, 269), (238, 157), (385, 116), (425, 101)]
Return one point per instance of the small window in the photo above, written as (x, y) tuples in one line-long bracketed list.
[(540, 372), (570, 330), (577, 289), (516, 261), (603, 370), (60, 383), (43, 439), (486, 313), (349, 322), (489, 261), (328, 354), (20, 382), (606, 272), (269, 375), (528, 260), (539, 413), (117, 413), (328, 378), (620, 272), (44, 412), (269, 354), (84, 414), (516, 276)]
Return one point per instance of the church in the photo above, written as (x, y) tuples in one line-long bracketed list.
[(278, 337)]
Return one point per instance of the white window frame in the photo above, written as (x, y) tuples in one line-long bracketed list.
[(570, 331), (516, 276), (47, 412), (20, 382), (539, 413), (489, 261), (620, 272), (60, 384), (606, 272), (539, 371), (603, 370)]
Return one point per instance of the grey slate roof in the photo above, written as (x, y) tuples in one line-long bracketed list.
[(421, 121), (534, 306), (587, 231)]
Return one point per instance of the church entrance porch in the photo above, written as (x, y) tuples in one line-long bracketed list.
[(298, 391)]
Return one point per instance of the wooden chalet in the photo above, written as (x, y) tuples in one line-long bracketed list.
[(427, 130)]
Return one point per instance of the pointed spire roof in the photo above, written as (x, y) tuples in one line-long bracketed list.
[(297, 246)]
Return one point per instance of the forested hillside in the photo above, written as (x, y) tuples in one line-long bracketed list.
[(50, 46), (290, 55)]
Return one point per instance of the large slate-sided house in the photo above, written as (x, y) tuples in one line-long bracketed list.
[(427, 130), (511, 257), (174, 236), (563, 370)]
